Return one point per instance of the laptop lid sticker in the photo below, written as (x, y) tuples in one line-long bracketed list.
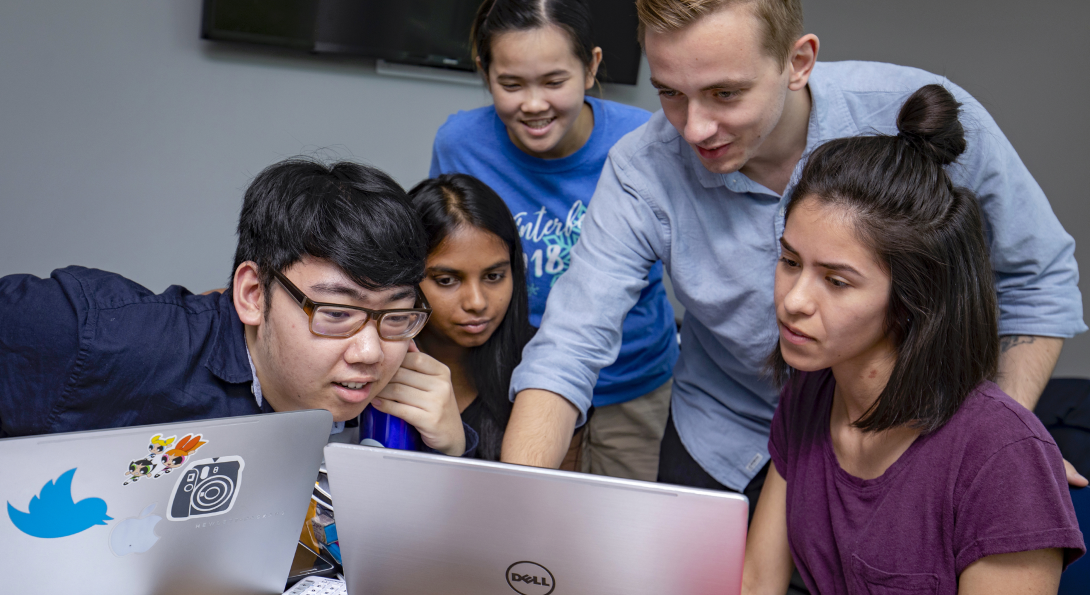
[(139, 468), (164, 455), (158, 445), (53, 512), (135, 535), (177, 456), (207, 487)]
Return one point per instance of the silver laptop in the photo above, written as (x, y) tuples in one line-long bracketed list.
[(412, 523), (212, 506)]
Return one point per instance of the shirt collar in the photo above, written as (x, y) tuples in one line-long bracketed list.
[(255, 388), (229, 358), (255, 384), (829, 115)]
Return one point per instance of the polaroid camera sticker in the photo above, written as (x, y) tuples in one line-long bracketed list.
[(206, 488), (53, 512)]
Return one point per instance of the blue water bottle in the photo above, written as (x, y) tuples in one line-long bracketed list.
[(386, 431)]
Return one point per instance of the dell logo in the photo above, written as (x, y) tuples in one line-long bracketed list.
[(530, 578), (533, 580)]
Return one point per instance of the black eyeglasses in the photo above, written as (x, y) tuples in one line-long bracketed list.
[(338, 320)]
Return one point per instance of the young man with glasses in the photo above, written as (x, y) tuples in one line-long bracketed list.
[(320, 314)]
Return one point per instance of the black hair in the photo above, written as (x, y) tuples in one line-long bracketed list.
[(353, 215), (445, 204), (942, 316), (495, 17)]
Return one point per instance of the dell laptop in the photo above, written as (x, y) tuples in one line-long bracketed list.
[(412, 523)]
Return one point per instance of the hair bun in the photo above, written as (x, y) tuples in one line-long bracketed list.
[(929, 121)]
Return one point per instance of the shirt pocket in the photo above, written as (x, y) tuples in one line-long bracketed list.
[(872, 581)]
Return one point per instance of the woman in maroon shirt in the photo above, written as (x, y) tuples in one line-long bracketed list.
[(898, 466)]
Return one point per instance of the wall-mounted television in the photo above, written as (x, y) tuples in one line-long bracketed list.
[(419, 32)]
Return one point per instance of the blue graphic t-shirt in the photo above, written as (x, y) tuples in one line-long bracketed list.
[(548, 198)]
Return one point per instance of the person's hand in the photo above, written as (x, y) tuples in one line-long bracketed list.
[(421, 394), (1073, 477)]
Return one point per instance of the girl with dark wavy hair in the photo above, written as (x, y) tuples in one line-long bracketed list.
[(898, 465), (475, 282)]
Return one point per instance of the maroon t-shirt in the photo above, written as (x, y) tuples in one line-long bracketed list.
[(991, 481)]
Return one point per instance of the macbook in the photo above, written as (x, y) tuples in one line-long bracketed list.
[(213, 506)]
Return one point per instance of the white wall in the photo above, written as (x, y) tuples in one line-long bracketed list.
[(126, 142)]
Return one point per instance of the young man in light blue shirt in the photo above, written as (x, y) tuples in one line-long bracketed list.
[(703, 185)]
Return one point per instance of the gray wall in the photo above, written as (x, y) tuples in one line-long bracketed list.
[(126, 141), (1021, 60)]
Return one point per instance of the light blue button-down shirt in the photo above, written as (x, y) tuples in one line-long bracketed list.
[(718, 235)]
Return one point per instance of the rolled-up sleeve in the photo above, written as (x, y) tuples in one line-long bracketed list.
[(622, 238), (1033, 256)]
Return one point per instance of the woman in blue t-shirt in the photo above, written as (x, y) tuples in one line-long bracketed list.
[(541, 146)]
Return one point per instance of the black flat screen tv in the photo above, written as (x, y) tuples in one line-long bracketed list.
[(420, 32)]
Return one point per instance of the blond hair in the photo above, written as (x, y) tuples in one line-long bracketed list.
[(782, 19)]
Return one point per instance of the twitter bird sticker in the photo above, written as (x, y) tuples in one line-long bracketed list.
[(52, 513)]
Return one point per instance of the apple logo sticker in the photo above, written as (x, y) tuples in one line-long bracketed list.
[(135, 535)]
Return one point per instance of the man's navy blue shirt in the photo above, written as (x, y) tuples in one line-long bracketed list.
[(86, 349)]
